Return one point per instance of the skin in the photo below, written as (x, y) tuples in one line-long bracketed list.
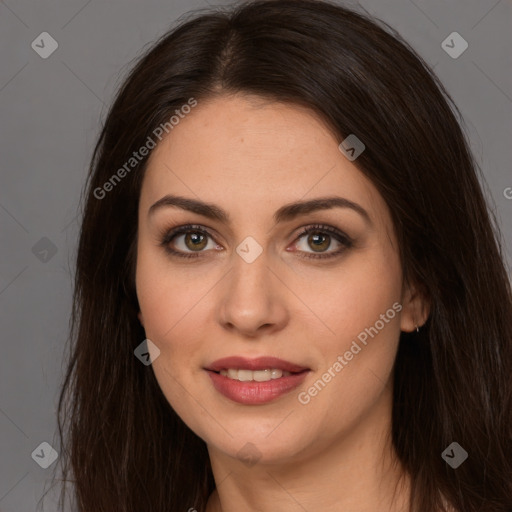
[(250, 157)]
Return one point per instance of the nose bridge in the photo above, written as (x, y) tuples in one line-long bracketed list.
[(250, 298), (249, 277)]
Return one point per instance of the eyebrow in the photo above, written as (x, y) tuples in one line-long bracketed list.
[(285, 213)]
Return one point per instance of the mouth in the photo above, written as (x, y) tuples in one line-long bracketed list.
[(255, 381)]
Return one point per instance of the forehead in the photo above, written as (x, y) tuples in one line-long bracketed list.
[(262, 152), (228, 127)]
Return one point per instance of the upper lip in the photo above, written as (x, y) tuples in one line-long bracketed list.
[(259, 363)]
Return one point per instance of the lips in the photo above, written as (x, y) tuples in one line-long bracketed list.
[(259, 363)]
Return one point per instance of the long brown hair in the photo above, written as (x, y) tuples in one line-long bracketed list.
[(126, 448)]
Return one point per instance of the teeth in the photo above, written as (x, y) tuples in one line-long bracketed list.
[(258, 375)]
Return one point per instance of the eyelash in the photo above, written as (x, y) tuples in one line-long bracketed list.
[(346, 241)]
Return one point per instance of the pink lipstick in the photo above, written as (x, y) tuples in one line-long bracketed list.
[(255, 381)]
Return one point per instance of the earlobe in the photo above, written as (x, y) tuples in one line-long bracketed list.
[(416, 309)]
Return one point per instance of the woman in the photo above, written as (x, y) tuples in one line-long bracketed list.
[(290, 293)]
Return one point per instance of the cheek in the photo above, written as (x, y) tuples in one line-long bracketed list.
[(168, 302), (175, 304), (155, 300), (355, 296), (165, 295), (362, 310)]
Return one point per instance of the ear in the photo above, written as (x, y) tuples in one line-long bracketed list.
[(139, 316), (416, 308)]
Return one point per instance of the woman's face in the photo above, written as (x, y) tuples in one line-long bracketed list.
[(252, 286)]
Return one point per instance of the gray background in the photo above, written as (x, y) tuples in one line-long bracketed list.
[(50, 117)]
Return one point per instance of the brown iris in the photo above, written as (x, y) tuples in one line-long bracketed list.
[(198, 241), (318, 247)]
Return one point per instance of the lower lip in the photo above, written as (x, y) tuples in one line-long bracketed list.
[(252, 392)]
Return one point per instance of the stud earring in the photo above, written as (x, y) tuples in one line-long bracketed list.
[(417, 328)]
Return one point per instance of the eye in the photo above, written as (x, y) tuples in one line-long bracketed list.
[(320, 238), (193, 238)]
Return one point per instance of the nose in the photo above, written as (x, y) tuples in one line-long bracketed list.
[(253, 299)]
